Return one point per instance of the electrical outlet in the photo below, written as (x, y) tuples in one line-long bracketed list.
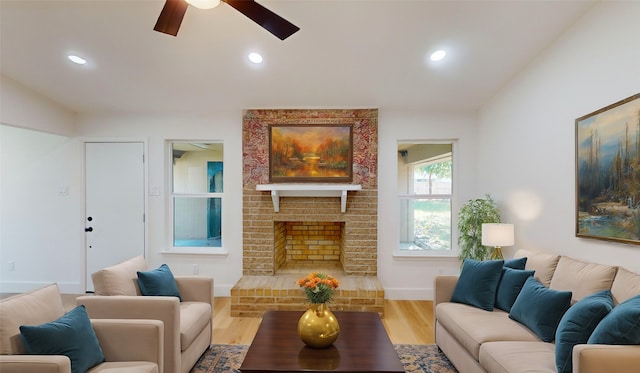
[(196, 269), (11, 266)]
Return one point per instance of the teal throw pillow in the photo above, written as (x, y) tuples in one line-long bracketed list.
[(477, 283), (621, 326), (71, 335), (509, 287), (577, 324), (540, 308), (518, 263), (158, 282)]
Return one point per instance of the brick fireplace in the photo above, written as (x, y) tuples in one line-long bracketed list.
[(308, 232)]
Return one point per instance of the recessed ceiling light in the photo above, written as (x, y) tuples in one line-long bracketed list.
[(76, 59), (438, 55), (255, 57)]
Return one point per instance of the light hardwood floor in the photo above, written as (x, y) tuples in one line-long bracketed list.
[(406, 322)]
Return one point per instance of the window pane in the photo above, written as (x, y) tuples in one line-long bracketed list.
[(197, 222), (197, 168), (432, 178), (427, 224), (425, 186)]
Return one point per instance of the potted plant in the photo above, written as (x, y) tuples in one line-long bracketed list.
[(472, 215)]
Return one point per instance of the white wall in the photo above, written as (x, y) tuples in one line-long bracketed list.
[(21, 107), (412, 277), (526, 133), (156, 130), (41, 219), (40, 227)]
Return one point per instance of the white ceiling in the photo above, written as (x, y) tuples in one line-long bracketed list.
[(370, 54)]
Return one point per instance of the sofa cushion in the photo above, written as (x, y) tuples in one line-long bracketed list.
[(509, 287), (477, 283), (621, 326), (518, 357), (194, 316), (125, 367), (32, 308), (473, 326), (119, 279), (71, 335), (158, 282), (626, 285), (577, 324), (540, 308), (581, 278)]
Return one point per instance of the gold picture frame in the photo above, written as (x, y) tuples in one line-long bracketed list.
[(608, 172), (310, 153)]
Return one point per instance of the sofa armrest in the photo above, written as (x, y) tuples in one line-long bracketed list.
[(35, 364), (130, 340), (588, 358), (195, 289), (443, 287), (165, 309)]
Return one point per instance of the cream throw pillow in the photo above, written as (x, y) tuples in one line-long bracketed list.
[(119, 279), (544, 264), (582, 278), (626, 285)]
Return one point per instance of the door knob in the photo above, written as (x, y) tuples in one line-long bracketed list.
[(89, 229)]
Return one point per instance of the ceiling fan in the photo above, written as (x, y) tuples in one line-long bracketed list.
[(173, 12)]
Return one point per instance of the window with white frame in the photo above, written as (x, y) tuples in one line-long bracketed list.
[(425, 184), (197, 193)]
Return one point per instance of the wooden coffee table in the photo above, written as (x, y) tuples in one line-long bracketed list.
[(363, 346)]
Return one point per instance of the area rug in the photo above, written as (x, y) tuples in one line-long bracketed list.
[(415, 359)]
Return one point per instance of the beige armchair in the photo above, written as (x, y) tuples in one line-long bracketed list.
[(187, 324), (127, 345)]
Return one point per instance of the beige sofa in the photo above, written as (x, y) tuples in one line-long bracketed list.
[(127, 345), (187, 323), (476, 340)]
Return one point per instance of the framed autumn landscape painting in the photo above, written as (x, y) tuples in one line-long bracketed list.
[(608, 172), (310, 153)]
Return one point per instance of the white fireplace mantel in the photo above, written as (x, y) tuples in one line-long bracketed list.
[(308, 190)]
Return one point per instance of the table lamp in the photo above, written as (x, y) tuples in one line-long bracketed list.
[(497, 235)]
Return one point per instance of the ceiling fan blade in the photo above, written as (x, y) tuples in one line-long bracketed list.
[(270, 21), (171, 17)]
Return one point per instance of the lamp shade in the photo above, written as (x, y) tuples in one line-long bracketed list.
[(497, 234)]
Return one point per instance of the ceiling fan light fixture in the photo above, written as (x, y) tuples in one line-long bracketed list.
[(203, 4)]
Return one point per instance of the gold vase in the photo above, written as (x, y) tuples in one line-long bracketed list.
[(318, 326)]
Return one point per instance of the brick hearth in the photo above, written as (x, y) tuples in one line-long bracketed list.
[(253, 295)]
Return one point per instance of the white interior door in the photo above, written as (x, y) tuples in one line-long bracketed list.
[(114, 218)]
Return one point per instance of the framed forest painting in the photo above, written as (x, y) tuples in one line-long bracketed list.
[(608, 172), (310, 153)]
